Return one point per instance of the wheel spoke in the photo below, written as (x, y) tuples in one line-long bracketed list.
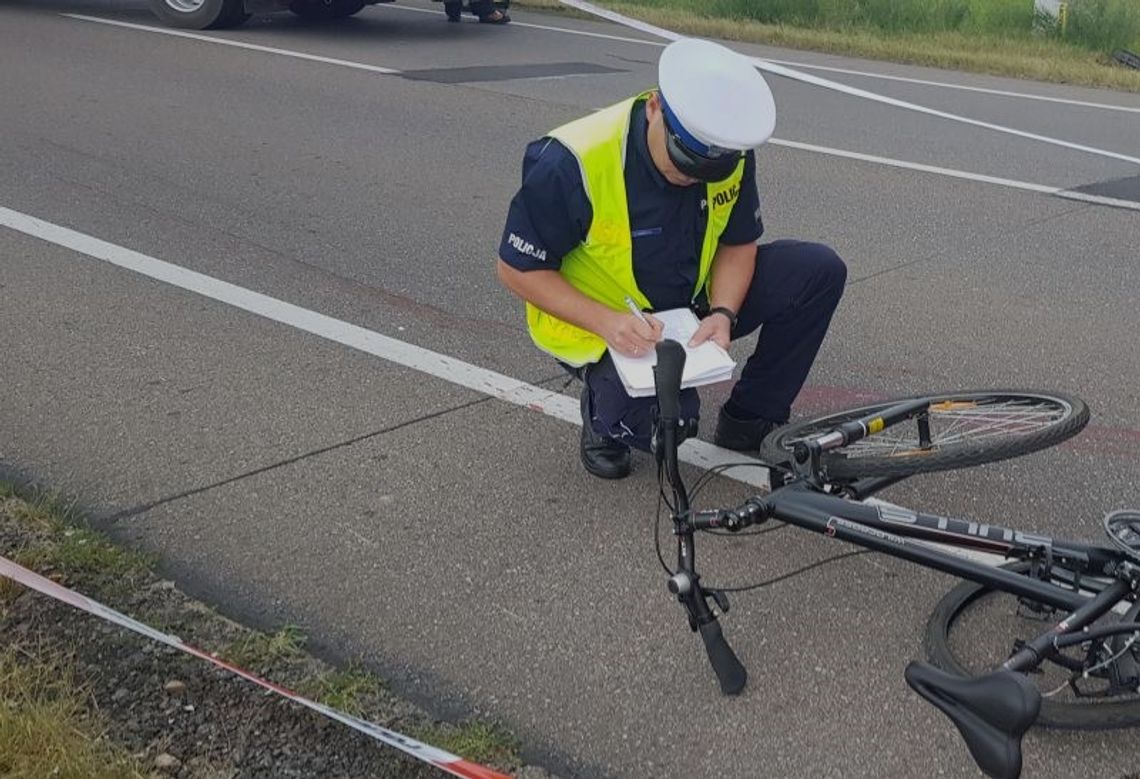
[(957, 423), (966, 429)]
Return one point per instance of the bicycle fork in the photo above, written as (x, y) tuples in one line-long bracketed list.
[(686, 585)]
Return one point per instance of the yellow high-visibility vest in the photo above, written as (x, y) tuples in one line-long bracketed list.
[(602, 266)]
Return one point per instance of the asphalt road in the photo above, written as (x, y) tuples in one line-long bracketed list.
[(449, 538)]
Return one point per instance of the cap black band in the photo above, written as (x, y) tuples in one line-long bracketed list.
[(716, 164), (690, 141)]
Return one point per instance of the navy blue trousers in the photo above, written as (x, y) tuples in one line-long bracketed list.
[(795, 290)]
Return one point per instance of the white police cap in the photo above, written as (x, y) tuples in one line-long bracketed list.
[(717, 95)]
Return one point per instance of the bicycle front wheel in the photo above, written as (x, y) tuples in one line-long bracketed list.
[(966, 428), (1090, 687)]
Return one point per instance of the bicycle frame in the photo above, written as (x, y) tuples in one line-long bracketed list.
[(992, 712), (889, 529)]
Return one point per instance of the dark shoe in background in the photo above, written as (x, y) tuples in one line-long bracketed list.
[(495, 17), (741, 435), (601, 455), (453, 11)]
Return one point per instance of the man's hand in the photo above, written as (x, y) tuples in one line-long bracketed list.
[(714, 327), (628, 335)]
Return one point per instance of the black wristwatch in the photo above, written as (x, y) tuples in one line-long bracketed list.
[(728, 312)]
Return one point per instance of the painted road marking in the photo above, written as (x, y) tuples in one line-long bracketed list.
[(497, 385), (903, 164), (808, 66), (794, 63), (835, 86), (963, 87), (702, 454), (442, 366), (237, 44), (871, 158), (959, 174)]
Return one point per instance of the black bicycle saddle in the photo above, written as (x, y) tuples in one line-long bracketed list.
[(991, 712)]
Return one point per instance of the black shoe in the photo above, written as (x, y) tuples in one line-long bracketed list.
[(603, 456), (742, 435), (453, 11)]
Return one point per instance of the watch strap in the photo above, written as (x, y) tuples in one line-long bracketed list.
[(728, 312)]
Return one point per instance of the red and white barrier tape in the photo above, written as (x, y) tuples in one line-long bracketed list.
[(445, 761), (780, 70)]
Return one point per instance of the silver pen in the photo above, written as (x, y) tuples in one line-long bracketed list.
[(635, 310)]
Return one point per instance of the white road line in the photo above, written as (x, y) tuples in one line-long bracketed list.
[(497, 385), (605, 36), (441, 366), (1098, 199), (963, 87), (959, 174), (794, 63), (903, 164), (835, 86), (808, 66), (238, 44)]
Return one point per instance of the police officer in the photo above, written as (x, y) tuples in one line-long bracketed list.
[(655, 198)]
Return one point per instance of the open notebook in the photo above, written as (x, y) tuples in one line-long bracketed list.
[(704, 364)]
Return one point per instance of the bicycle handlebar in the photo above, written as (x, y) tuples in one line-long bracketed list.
[(730, 672), (667, 380), (685, 583)]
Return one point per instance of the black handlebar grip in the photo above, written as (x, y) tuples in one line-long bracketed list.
[(667, 378), (730, 672)]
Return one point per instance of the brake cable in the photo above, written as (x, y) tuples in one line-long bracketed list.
[(700, 484), (790, 574), (1084, 674)]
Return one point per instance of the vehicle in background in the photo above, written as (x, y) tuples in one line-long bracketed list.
[(217, 14)]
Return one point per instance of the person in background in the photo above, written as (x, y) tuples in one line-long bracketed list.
[(488, 11), (655, 199)]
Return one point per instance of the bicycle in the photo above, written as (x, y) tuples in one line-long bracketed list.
[(822, 471)]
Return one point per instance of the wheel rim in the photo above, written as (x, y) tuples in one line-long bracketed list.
[(988, 628), (185, 6), (955, 422)]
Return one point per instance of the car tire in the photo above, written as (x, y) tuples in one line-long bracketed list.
[(200, 14)]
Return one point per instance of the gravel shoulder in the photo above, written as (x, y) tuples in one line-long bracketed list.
[(165, 713)]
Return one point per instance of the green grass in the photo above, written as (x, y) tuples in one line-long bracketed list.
[(480, 742), (992, 38), (38, 508), (1096, 25), (259, 651), (349, 690), (46, 729), (62, 548)]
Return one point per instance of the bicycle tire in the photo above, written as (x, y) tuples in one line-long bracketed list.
[(965, 420), (1109, 715)]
